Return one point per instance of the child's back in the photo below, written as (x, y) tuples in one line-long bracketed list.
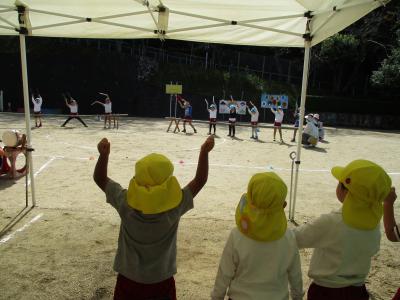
[(261, 256), (150, 210), (147, 242), (344, 241), (342, 255), (264, 270)]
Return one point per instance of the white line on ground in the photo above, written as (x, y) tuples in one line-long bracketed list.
[(11, 235), (46, 164), (268, 168), (226, 166)]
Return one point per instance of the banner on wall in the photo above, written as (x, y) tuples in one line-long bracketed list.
[(273, 101), (224, 107)]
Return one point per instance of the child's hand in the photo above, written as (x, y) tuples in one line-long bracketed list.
[(391, 197), (208, 145), (104, 147)]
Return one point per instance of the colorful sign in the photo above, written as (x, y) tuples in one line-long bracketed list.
[(224, 107), (273, 101)]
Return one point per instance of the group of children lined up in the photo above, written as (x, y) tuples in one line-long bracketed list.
[(233, 108), (72, 104), (261, 257)]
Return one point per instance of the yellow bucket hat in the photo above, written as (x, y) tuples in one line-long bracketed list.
[(260, 213), (153, 189), (368, 185)]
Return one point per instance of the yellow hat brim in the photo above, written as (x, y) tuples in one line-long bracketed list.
[(337, 172)]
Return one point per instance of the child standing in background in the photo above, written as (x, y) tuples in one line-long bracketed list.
[(278, 121), (232, 117), (188, 113), (37, 107), (213, 115), (254, 120)]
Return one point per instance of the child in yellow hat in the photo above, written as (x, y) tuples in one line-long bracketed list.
[(260, 257), (150, 211), (345, 240), (392, 229)]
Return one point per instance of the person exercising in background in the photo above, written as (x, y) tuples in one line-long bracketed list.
[(37, 104), (213, 115), (188, 113), (232, 117), (73, 107), (296, 124), (253, 111), (278, 121), (107, 109)]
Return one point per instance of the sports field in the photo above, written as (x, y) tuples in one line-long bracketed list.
[(64, 248)]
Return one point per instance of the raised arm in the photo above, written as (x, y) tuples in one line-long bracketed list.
[(214, 102), (206, 103), (248, 109), (98, 102), (391, 229), (100, 171), (202, 167), (180, 100)]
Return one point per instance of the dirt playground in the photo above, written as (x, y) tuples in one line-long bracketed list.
[(64, 248)]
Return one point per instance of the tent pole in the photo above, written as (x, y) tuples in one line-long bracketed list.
[(27, 114), (307, 50)]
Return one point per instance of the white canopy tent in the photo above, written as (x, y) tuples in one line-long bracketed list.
[(278, 23)]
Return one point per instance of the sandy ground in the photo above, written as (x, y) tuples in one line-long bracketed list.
[(64, 248)]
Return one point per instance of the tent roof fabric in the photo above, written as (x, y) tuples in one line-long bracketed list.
[(280, 23)]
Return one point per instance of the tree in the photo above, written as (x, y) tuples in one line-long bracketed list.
[(388, 75), (342, 54)]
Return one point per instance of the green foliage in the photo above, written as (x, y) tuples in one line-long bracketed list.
[(340, 47), (388, 75)]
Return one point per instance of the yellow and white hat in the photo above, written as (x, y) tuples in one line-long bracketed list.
[(260, 213), (153, 189), (368, 185)]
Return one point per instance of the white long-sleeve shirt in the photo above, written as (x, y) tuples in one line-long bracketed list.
[(73, 108), (254, 115), (278, 115), (213, 113), (107, 108), (251, 269), (311, 129), (37, 103), (342, 254)]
